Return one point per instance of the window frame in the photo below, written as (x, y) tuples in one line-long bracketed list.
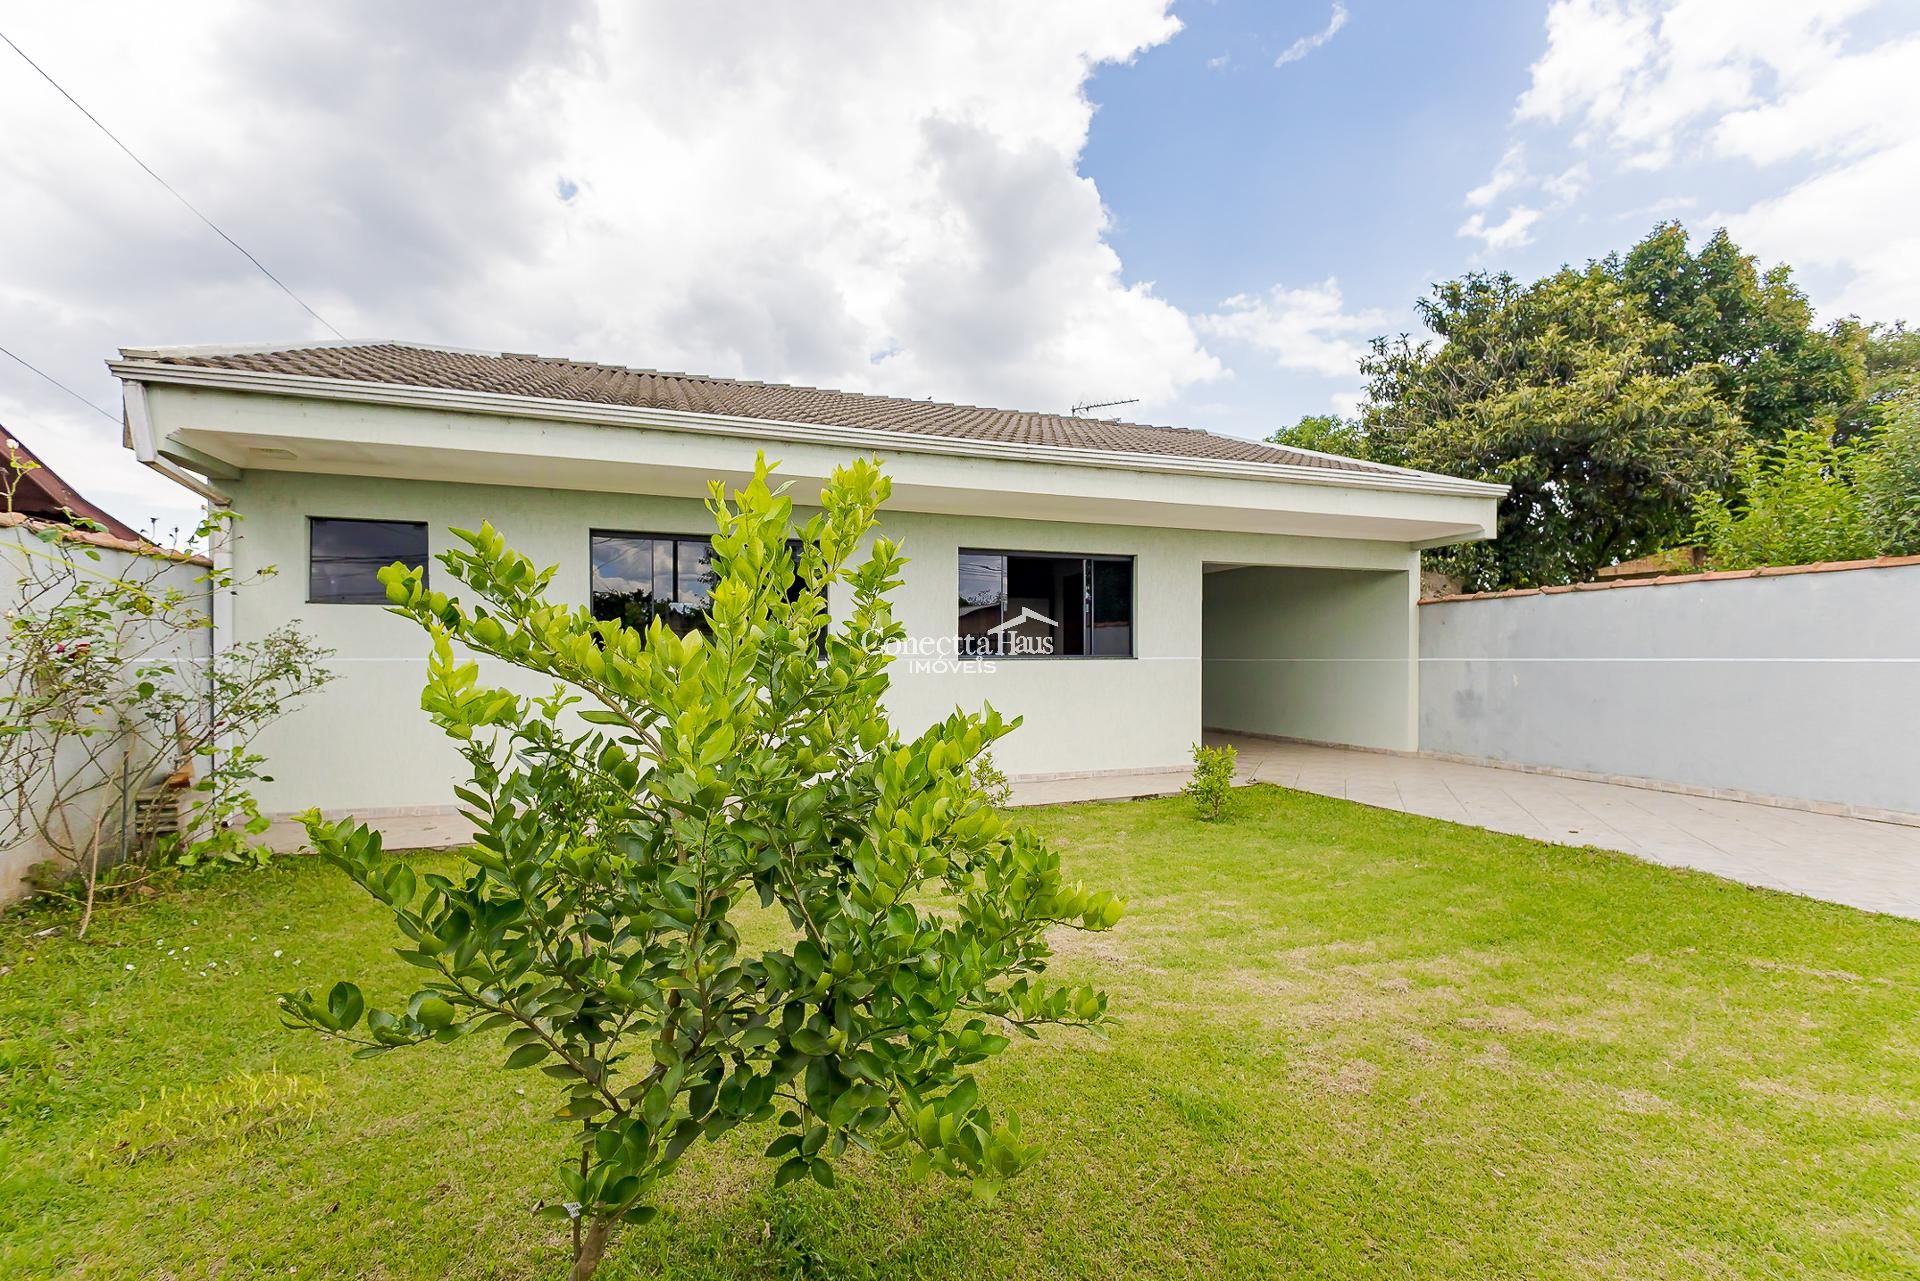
[(426, 553), (595, 532), (1087, 560)]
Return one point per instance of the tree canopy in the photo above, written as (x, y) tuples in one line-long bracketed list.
[(1611, 397)]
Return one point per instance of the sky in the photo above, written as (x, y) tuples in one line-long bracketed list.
[(1206, 209)]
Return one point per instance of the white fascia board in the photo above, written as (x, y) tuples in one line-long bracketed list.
[(139, 436), (535, 407)]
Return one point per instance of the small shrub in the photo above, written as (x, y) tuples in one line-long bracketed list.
[(1212, 784), (991, 782), (227, 1113), (667, 791)]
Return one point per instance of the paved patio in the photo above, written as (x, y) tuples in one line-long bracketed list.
[(1855, 861)]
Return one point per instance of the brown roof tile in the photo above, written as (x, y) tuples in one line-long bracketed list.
[(553, 378)]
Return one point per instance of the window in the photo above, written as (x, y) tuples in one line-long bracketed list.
[(345, 557), (638, 577), (1043, 605)]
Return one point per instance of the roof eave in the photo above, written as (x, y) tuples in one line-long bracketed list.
[(146, 371)]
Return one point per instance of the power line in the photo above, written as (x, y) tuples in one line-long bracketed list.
[(169, 188), (34, 369)]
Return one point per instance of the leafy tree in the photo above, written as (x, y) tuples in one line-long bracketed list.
[(1752, 330), (633, 826), (1326, 434), (1562, 389), (1887, 358), (1796, 504)]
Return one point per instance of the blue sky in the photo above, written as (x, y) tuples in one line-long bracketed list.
[(1208, 206), (1352, 162)]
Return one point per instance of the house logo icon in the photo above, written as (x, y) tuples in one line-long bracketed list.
[(1012, 642)]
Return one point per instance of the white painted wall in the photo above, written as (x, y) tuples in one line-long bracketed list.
[(1321, 654), (362, 744), (1804, 686), (19, 549)]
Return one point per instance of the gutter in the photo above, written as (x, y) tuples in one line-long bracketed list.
[(136, 373), (133, 396)]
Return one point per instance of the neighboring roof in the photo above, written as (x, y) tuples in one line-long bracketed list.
[(39, 492), (557, 379), (1675, 580)]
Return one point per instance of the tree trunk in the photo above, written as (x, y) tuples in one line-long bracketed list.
[(586, 1255)]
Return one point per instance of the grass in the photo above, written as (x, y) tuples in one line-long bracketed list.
[(1353, 1043)]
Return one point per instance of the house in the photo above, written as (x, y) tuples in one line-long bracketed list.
[(33, 489), (1118, 585)]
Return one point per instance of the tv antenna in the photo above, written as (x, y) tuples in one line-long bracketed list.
[(1081, 408)]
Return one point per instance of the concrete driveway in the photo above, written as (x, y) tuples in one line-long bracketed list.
[(1859, 862)]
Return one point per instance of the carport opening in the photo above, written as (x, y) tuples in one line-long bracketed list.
[(1324, 655)]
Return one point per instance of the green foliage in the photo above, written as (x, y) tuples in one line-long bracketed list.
[(991, 782), (1211, 788), (1611, 397), (1750, 331), (1562, 390), (1888, 477), (230, 1113), (667, 786), (1326, 434), (1796, 505), (1886, 359)]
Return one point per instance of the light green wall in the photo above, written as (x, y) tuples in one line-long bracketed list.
[(363, 743), (1321, 654)]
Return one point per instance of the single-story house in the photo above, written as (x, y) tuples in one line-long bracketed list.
[(1121, 586)]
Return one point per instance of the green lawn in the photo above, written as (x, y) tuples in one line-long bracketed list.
[(1351, 1043)]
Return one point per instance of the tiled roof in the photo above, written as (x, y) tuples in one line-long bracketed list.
[(557, 379), (39, 491)]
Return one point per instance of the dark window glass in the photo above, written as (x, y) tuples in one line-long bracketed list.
[(1035, 605), (1112, 630), (638, 577), (345, 557), (623, 578), (983, 597)]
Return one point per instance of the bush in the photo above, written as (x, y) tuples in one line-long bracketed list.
[(1795, 505), (1212, 785), (1889, 478), (669, 788), (991, 782), (107, 691)]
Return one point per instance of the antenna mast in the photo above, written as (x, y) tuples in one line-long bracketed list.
[(1081, 408)]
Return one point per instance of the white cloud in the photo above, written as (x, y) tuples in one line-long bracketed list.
[(1510, 232), (1307, 44), (1856, 217), (1347, 403), (1307, 329), (1508, 174), (889, 201), (1509, 177), (1823, 106), (1630, 74)]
